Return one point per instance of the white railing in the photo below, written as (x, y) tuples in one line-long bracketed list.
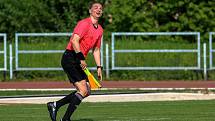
[(211, 50), (196, 50), (4, 51), (19, 51)]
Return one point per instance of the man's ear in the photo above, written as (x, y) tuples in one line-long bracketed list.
[(89, 11)]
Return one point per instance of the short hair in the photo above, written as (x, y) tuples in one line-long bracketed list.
[(94, 2)]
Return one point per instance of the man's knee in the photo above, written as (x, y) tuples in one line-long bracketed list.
[(83, 88), (88, 93), (85, 93)]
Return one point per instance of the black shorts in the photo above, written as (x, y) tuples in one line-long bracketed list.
[(71, 65)]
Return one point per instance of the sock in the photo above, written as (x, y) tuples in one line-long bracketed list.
[(65, 100), (76, 100)]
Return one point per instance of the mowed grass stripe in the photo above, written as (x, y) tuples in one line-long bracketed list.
[(126, 111)]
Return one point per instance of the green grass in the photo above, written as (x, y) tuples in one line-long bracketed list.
[(154, 59), (158, 59), (121, 111), (44, 60)]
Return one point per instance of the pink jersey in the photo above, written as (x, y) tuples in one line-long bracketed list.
[(90, 36)]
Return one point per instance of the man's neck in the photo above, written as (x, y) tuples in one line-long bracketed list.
[(94, 20)]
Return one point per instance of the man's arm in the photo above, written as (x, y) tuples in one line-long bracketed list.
[(76, 47), (97, 57), (75, 43)]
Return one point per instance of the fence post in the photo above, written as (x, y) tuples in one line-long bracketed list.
[(205, 60), (5, 56), (107, 61), (11, 62)]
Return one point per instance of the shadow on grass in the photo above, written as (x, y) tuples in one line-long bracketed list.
[(83, 120)]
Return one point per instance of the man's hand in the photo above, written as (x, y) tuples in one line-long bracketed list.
[(83, 64), (99, 73)]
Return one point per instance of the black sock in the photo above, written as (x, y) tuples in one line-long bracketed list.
[(76, 100), (65, 100)]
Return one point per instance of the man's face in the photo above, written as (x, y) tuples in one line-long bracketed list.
[(96, 10)]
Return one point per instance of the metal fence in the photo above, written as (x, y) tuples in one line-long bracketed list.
[(19, 51), (126, 51), (114, 50), (211, 50), (4, 52)]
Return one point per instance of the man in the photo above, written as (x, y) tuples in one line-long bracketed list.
[(86, 35)]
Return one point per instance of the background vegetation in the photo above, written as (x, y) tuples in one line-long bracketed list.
[(122, 16), (119, 16)]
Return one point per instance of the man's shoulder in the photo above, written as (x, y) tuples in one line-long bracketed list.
[(84, 21), (101, 28)]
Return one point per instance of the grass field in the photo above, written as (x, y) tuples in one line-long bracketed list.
[(126, 111)]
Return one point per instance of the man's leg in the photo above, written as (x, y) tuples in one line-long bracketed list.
[(52, 110), (83, 92), (67, 99), (54, 106), (72, 107)]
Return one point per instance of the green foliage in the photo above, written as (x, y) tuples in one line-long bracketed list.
[(164, 16), (27, 16), (119, 15), (41, 15)]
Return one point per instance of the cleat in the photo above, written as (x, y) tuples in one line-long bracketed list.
[(52, 110)]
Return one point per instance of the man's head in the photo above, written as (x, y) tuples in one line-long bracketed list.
[(95, 9)]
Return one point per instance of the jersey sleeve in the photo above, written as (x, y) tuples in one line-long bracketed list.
[(81, 29)]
